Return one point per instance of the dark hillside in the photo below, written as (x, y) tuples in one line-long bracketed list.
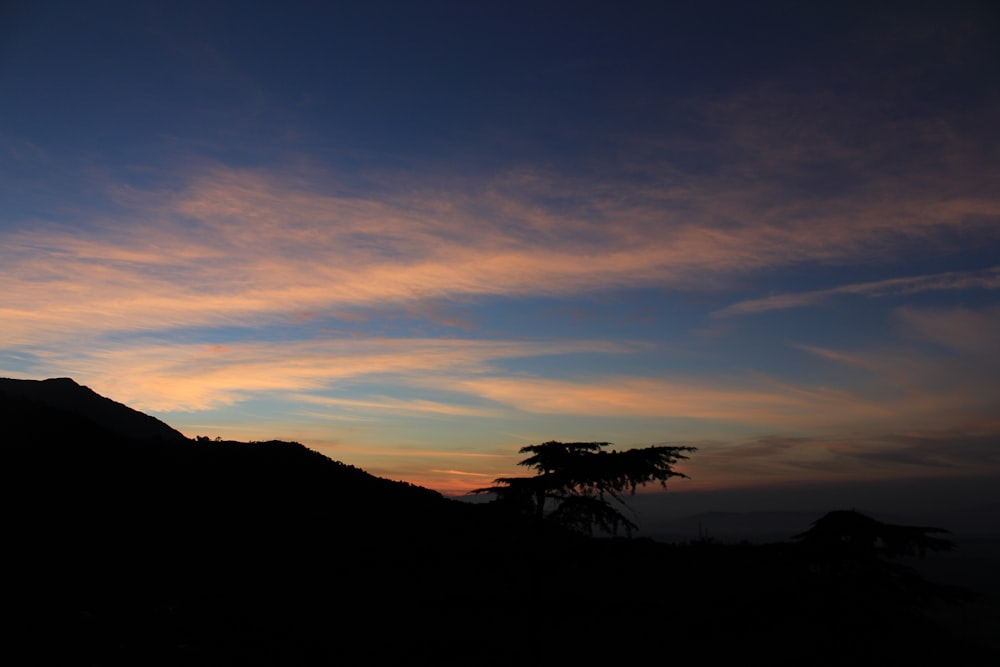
[(67, 395), (123, 550)]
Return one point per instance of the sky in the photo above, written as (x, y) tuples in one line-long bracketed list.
[(418, 236)]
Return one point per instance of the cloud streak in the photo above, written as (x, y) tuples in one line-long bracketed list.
[(746, 400), (988, 279), (239, 247), (162, 376), (873, 455)]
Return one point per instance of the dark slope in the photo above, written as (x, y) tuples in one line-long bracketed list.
[(145, 551), (65, 394), (127, 551), (70, 461)]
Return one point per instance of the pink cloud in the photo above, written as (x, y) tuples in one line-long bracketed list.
[(237, 246)]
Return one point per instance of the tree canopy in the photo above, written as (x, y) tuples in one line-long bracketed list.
[(585, 482), (850, 533)]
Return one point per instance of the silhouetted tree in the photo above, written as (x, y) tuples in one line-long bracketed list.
[(855, 557), (853, 534), (582, 479)]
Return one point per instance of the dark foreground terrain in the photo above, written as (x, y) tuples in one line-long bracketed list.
[(160, 550)]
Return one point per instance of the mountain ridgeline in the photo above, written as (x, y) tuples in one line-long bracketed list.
[(70, 444), (128, 543), (66, 395)]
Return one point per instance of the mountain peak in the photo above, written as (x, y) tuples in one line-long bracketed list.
[(65, 393)]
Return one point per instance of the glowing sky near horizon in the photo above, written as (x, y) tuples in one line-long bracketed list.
[(417, 236)]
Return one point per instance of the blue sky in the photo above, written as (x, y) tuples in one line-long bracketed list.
[(419, 236)]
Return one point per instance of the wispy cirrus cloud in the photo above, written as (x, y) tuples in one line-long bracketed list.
[(384, 405), (748, 400), (871, 455), (782, 170), (164, 376), (954, 280), (457, 378), (955, 448), (236, 247), (972, 331), (925, 388), (780, 176), (969, 333)]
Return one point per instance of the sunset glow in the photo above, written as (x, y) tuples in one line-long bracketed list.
[(417, 250)]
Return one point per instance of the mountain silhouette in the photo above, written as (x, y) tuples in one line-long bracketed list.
[(72, 443), (65, 394), (126, 546)]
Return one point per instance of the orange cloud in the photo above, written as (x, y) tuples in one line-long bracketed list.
[(764, 403), (163, 376), (249, 247), (388, 406)]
